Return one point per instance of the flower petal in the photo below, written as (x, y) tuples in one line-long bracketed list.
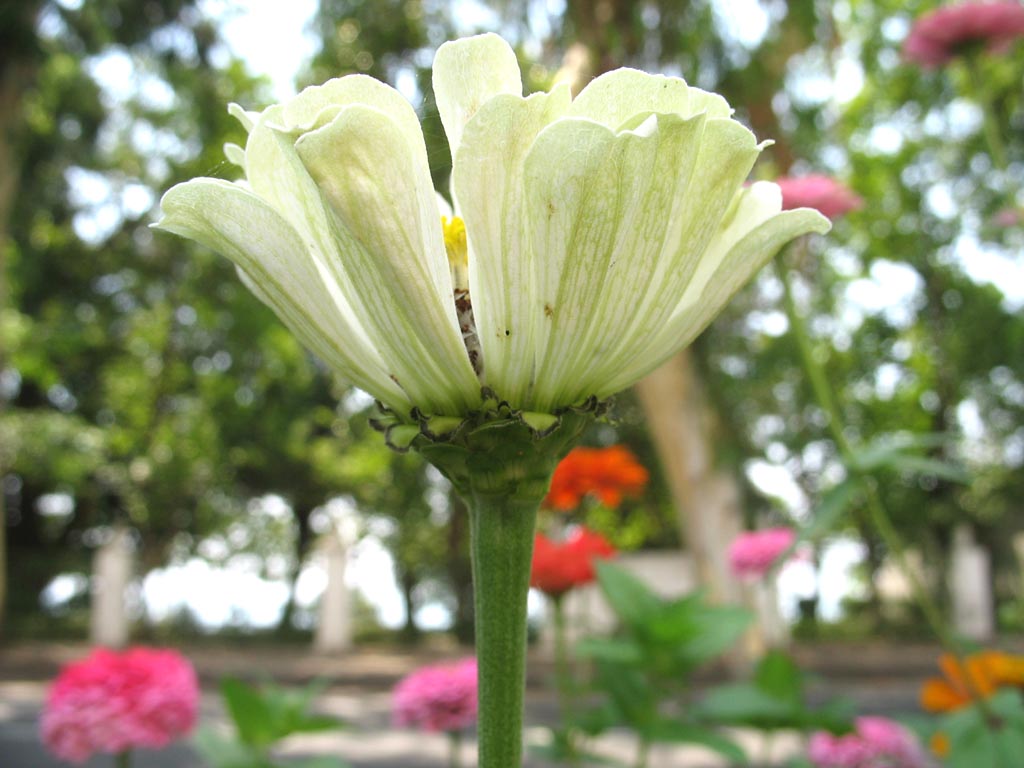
[(630, 214), (386, 217), (617, 98), (754, 232), (469, 72), (229, 219), (487, 180)]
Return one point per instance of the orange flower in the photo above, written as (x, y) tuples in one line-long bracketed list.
[(939, 744), (607, 473), (986, 671)]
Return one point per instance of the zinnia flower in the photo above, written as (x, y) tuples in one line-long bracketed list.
[(439, 697), (823, 193), (987, 671), (560, 566), (876, 742), (592, 237), (939, 36), (752, 554), (607, 473), (111, 702)]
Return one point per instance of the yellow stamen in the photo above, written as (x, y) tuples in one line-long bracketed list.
[(458, 253)]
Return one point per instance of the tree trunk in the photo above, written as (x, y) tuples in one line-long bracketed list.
[(410, 631), (680, 420), (303, 541)]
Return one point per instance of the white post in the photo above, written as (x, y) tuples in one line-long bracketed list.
[(334, 629), (971, 587), (112, 572)]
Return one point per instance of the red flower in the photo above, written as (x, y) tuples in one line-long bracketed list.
[(113, 701), (939, 36), (822, 193), (607, 473), (559, 566)]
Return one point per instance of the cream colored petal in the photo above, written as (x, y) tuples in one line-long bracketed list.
[(234, 222), (245, 117), (487, 179), (388, 224), (469, 72), (756, 232), (617, 98), (620, 223)]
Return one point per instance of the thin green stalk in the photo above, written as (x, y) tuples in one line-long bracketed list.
[(564, 682), (454, 749), (643, 748), (989, 123), (877, 512), (123, 759), (502, 546)]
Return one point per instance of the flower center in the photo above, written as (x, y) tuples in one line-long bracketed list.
[(458, 253), (458, 261)]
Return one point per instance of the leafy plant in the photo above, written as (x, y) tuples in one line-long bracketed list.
[(774, 699), (645, 669), (262, 717)]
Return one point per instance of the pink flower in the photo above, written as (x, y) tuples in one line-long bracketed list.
[(822, 193), (941, 35), (752, 554), (439, 697), (113, 701), (876, 742)]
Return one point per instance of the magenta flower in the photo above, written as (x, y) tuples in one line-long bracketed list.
[(823, 193), (876, 742), (753, 553), (939, 36), (111, 702), (439, 697)]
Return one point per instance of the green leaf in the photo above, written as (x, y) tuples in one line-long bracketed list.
[(611, 649), (744, 704), (220, 751), (721, 626), (629, 597), (676, 732), (250, 713), (779, 676), (835, 503)]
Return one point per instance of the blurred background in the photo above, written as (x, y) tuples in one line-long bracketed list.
[(151, 406)]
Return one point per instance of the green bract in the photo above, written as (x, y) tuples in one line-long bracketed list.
[(604, 233)]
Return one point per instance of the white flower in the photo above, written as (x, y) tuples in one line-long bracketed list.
[(601, 234)]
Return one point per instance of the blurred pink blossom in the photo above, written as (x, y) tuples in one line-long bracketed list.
[(822, 193), (1008, 217), (941, 35), (753, 553), (876, 742), (440, 697), (111, 701)]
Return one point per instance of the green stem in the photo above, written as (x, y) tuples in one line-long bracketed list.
[(563, 677), (454, 749), (643, 747), (502, 547), (123, 759), (990, 125), (877, 513)]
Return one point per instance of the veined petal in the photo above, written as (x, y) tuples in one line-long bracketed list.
[(317, 105), (387, 220), (754, 233), (617, 98), (630, 213), (468, 73), (229, 219), (487, 179)]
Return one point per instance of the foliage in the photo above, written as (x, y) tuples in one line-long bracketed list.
[(644, 671), (262, 718), (775, 698)]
